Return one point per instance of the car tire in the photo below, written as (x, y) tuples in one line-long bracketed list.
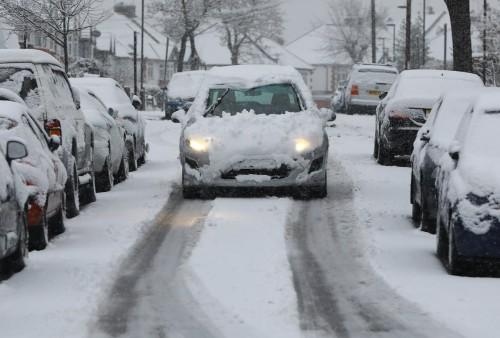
[(416, 211), (56, 223), (72, 191), (455, 264), (123, 171), (88, 193), (441, 243), (39, 235), (17, 261), (427, 224), (105, 179), (384, 155), (375, 147)]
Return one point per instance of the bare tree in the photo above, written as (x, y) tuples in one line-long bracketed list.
[(56, 19), (247, 22), (461, 32), (181, 20), (349, 32)]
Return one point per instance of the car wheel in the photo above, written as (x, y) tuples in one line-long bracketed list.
[(72, 191), (441, 243), (132, 158), (39, 234), (17, 261), (105, 178), (56, 223), (416, 211), (384, 155), (456, 264), (89, 192), (123, 171), (428, 225), (375, 147)]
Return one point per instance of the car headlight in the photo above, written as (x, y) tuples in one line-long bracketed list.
[(302, 145), (199, 145)]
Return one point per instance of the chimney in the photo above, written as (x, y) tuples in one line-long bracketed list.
[(125, 9)]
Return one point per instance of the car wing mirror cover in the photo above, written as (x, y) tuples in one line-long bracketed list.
[(16, 150), (383, 95), (454, 150)]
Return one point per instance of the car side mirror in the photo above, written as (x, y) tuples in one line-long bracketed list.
[(425, 137), (383, 95), (179, 116), (16, 150), (76, 98), (454, 151), (327, 114), (54, 143)]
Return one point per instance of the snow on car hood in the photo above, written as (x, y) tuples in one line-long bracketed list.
[(414, 102), (247, 135)]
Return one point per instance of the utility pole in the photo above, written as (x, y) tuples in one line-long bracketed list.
[(445, 46), (135, 63), (374, 33), (143, 94), (165, 75), (485, 48), (423, 32), (408, 35)]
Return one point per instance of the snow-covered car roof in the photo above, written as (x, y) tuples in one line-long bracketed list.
[(9, 95), (439, 74), (27, 56), (375, 67), (185, 85)]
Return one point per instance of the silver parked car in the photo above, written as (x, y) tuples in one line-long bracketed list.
[(256, 128), (110, 155)]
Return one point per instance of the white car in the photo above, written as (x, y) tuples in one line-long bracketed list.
[(110, 153), (365, 84), (182, 90), (255, 128)]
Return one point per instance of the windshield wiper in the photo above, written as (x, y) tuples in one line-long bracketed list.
[(214, 105)]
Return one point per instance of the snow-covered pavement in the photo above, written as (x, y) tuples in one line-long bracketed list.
[(351, 265)]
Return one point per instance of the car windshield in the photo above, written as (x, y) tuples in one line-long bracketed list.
[(270, 100), (7, 123), (22, 81), (371, 76)]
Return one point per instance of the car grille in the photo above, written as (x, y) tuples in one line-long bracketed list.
[(275, 173)]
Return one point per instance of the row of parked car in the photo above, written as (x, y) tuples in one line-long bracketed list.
[(447, 124), (61, 141)]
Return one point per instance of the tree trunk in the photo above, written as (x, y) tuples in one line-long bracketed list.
[(195, 58), (235, 56), (461, 33), (182, 53), (66, 54)]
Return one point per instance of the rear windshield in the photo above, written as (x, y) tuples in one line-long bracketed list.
[(381, 76), (271, 99), (22, 81)]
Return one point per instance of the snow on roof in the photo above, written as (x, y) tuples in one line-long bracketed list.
[(27, 56), (375, 66), (117, 34), (185, 85), (250, 75), (438, 74), (310, 47)]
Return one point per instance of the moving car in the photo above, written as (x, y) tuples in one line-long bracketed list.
[(41, 82), (468, 221), (431, 144), (365, 84), (182, 90), (120, 105), (110, 154), (255, 128), (41, 170), (404, 109), (13, 218)]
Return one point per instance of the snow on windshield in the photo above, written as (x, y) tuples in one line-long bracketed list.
[(93, 110), (371, 76), (185, 85), (22, 81)]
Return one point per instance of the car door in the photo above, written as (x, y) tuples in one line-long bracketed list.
[(8, 203)]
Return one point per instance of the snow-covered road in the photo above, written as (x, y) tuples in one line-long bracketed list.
[(143, 262)]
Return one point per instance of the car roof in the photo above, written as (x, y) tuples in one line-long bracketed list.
[(27, 56), (248, 76), (375, 66), (83, 81), (488, 100), (430, 73)]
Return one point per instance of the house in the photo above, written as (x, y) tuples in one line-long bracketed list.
[(328, 70)]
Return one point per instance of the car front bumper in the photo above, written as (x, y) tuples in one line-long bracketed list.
[(478, 246)]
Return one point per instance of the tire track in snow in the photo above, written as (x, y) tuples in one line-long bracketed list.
[(338, 292), (148, 298)]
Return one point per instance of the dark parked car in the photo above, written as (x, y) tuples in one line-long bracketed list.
[(468, 220), (13, 219), (40, 80), (432, 142), (182, 89), (405, 107)]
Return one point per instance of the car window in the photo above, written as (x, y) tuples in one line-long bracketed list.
[(23, 82), (62, 88), (33, 126)]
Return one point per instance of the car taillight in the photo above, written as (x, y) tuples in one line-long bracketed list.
[(398, 115), (35, 213), (354, 90), (53, 127)]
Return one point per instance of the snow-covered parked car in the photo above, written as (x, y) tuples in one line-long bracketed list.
[(13, 208), (120, 105), (257, 128), (432, 142), (40, 80), (468, 183), (406, 106), (41, 171), (365, 84), (110, 154), (182, 90)]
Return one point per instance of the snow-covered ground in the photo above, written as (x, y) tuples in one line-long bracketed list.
[(58, 292), (402, 255)]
